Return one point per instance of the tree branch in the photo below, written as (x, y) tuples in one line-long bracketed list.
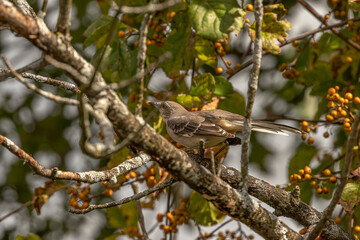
[(153, 7), (63, 22), (252, 88)]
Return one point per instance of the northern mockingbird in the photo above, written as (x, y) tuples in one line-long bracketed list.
[(210, 126)]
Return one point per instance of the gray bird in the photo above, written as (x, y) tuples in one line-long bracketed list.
[(211, 126)]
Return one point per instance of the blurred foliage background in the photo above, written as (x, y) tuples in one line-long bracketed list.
[(210, 43)]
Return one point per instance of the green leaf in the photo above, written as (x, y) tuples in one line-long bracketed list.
[(31, 236), (104, 6), (179, 44), (223, 88), (203, 211), (188, 100), (214, 19), (204, 86), (234, 103), (118, 157), (124, 216), (205, 52), (258, 156), (272, 28), (350, 197), (99, 29)]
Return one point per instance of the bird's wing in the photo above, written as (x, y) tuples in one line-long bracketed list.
[(190, 124)]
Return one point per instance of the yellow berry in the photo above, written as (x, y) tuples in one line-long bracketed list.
[(219, 70), (332, 179), (327, 172), (356, 100), (249, 7), (348, 96)]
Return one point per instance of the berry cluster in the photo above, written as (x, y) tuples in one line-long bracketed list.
[(79, 195), (288, 72), (340, 106), (175, 218)]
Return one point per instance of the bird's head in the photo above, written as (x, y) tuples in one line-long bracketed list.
[(166, 108)]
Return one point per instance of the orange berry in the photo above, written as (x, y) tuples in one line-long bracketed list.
[(348, 96), (295, 43), (301, 171), (305, 123), (109, 192), (159, 217), (326, 134), (247, 20), (332, 179), (239, 66), (356, 100), (230, 71), (303, 136), (121, 34), (217, 45), (347, 125), (327, 172), (334, 113), (347, 120), (343, 113), (303, 231), (313, 184), (357, 228), (307, 177), (136, 44), (132, 174), (337, 220), (228, 63), (329, 118), (332, 91), (172, 14), (319, 191), (307, 169), (349, 59), (326, 190), (327, 16), (219, 70), (348, 129), (310, 140), (337, 88), (127, 177), (249, 7), (331, 104)]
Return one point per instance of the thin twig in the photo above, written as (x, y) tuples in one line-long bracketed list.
[(301, 36), (54, 82), (42, 11), (32, 66), (88, 177), (141, 57), (344, 173), (159, 187), (252, 88), (25, 205), (153, 7), (43, 93), (135, 187), (335, 31)]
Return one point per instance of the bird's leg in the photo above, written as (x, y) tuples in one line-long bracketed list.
[(202, 148), (220, 166), (213, 162), (224, 145)]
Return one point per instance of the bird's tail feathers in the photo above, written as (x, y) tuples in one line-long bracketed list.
[(274, 128)]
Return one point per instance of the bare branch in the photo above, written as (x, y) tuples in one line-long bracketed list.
[(141, 57), (159, 187), (343, 180), (42, 11), (135, 187), (153, 7), (32, 66), (89, 176), (252, 88), (43, 93), (63, 22)]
